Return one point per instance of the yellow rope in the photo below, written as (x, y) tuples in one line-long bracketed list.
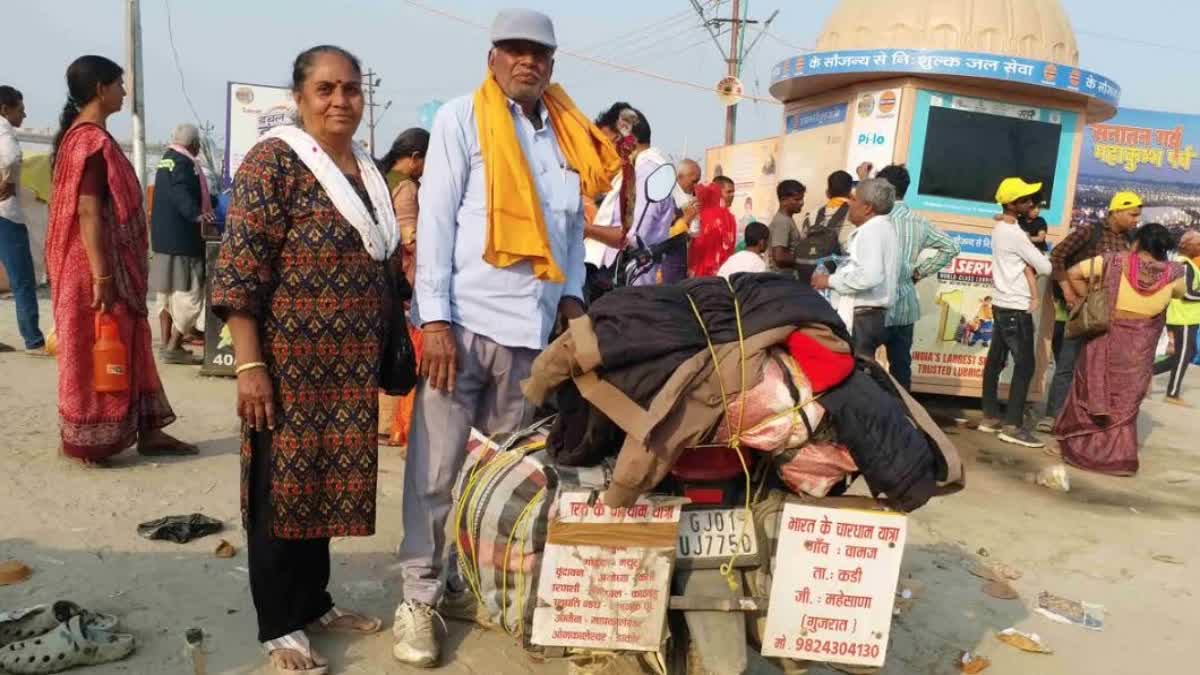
[(467, 504), (524, 516), (734, 434)]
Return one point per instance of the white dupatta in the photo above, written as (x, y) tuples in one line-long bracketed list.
[(380, 235)]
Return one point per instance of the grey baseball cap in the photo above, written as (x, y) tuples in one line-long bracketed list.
[(523, 24)]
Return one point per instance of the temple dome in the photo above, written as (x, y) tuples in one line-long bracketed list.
[(1033, 29)]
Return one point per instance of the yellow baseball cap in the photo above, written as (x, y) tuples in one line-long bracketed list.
[(1012, 189), (1123, 201)]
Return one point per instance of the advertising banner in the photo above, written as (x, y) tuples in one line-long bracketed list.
[(951, 339), (252, 110), (813, 147), (753, 168), (1152, 153), (873, 132)]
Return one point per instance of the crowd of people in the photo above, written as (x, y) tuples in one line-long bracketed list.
[(496, 227)]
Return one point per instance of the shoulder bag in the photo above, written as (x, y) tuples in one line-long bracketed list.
[(398, 359), (1089, 318)]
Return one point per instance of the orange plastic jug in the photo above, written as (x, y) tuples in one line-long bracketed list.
[(109, 356)]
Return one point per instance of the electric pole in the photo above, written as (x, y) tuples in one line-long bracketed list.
[(373, 82), (735, 66), (133, 70), (737, 50)]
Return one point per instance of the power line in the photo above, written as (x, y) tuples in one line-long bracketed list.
[(205, 129), (657, 53), (631, 37), (652, 31), (659, 43), (790, 45), (583, 57), (1144, 43), (178, 67)]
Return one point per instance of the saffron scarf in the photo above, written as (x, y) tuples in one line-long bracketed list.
[(516, 227)]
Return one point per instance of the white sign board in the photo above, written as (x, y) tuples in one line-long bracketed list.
[(873, 131), (612, 596), (252, 110), (833, 599)]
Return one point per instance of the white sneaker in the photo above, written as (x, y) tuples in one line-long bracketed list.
[(416, 642)]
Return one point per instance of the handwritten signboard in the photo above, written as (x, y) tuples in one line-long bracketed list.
[(833, 600), (597, 592)]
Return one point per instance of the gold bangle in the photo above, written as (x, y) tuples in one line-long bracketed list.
[(249, 366), (107, 278)]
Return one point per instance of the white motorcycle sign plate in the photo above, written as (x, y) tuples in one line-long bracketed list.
[(716, 534), (606, 574), (832, 601)]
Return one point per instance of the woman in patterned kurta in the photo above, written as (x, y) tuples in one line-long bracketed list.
[(305, 303)]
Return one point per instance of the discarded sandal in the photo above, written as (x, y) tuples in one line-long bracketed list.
[(296, 642), (74, 643), (32, 622), (338, 620)]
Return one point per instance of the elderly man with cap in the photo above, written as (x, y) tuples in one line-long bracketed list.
[(1012, 251), (1083, 243), (501, 257), (181, 208)]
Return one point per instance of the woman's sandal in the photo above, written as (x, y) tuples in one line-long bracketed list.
[(36, 621), (77, 642), (297, 642), (344, 621)]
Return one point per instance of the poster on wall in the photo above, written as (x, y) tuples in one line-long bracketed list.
[(951, 339), (873, 132), (813, 147), (1152, 153), (251, 111), (754, 169)]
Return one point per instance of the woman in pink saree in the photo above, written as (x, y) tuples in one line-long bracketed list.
[(97, 257), (1097, 428)]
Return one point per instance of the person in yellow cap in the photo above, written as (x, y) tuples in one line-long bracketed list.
[(1111, 235), (1012, 328)]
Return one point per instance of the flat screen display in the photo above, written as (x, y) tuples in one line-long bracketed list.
[(968, 153)]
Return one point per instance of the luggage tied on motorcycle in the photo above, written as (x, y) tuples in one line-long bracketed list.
[(639, 423), (504, 499)]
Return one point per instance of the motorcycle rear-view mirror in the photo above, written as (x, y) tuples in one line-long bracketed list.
[(660, 183)]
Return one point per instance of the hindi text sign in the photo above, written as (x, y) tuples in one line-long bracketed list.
[(598, 592), (833, 601)]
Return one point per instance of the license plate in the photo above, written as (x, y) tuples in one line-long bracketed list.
[(715, 533)]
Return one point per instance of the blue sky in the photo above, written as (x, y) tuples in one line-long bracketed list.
[(421, 56)]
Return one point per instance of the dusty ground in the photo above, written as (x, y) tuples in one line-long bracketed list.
[(1098, 543)]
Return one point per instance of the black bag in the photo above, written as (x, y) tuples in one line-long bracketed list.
[(820, 241), (398, 360)]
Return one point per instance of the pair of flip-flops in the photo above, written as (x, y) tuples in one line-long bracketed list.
[(53, 638)]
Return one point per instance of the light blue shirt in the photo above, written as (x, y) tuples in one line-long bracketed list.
[(453, 283), (915, 234)]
